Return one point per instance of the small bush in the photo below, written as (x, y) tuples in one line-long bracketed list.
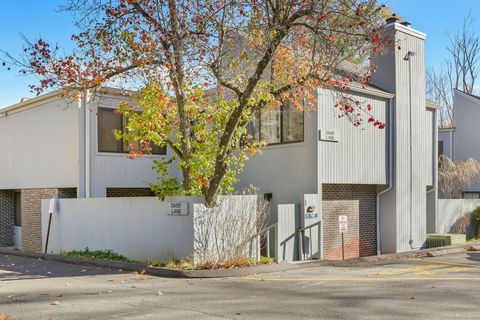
[(476, 221), (173, 264), (463, 223), (96, 254), (266, 260)]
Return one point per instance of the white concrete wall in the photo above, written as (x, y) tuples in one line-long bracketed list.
[(141, 228), (116, 170), (138, 228), (449, 210), (39, 146)]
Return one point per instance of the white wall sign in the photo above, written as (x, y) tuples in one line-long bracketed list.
[(342, 224), (178, 209), (328, 135), (310, 206)]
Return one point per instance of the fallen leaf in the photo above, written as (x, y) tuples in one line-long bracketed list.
[(55, 303), (4, 316)]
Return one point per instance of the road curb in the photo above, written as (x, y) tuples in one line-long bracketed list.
[(161, 271), (423, 253)]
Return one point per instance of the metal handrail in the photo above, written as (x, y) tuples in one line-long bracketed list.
[(258, 236), (301, 236)]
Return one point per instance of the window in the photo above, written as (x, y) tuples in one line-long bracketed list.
[(108, 123), (471, 195), (440, 148), (277, 126)]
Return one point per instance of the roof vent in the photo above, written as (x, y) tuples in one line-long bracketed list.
[(393, 18)]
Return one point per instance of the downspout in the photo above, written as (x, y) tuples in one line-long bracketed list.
[(87, 144), (390, 173)]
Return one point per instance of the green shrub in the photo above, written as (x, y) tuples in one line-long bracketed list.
[(476, 221), (266, 260), (97, 254)]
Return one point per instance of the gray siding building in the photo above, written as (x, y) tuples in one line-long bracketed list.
[(54, 146), (383, 180), (462, 142)]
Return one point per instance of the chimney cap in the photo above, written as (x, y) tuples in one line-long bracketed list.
[(393, 18)]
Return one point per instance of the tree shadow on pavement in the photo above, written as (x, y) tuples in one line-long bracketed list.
[(18, 268), (474, 256)]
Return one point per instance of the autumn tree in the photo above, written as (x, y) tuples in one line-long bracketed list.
[(205, 68)]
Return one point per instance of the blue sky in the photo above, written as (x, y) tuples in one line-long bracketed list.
[(35, 18)]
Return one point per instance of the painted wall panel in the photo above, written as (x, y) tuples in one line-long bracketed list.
[(39, 146), (288, 224), (360, 156), (449, 210)]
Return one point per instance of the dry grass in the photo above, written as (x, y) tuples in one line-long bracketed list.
[(463, 223), (453, 177), (238, 262)]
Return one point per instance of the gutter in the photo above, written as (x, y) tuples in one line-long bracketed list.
[(390, 173)]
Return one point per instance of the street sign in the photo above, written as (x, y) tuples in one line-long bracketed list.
[(342, 224), (328, 135), (343, 228), (178, 209)]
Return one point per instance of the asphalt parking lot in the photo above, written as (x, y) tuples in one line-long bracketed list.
[(432, 288)]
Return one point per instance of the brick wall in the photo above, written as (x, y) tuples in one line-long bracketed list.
[(358, 203), (31, 210), (7, 217), (129, 192)]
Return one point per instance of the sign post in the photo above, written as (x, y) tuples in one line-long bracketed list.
[(343, 228), (51, 209)]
